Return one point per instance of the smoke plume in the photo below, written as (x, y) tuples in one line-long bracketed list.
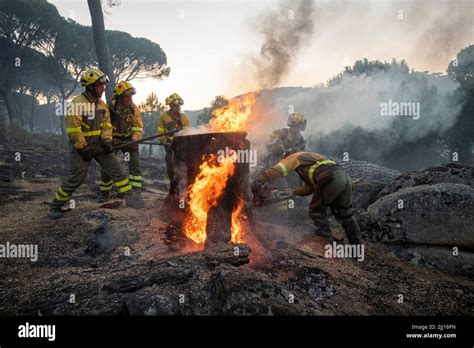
[(285, 32)]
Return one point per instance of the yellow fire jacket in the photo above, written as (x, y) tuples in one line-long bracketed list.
[(87, 122), (304, 163), (127, 121), (167, 123)]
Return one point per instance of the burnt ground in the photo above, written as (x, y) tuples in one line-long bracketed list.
[(118, 261)]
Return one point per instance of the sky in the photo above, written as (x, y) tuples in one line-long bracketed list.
[(211, 45)]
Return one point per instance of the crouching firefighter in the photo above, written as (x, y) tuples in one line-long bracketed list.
[(327, 182), (127, 127), (169, 120), (90, 133)]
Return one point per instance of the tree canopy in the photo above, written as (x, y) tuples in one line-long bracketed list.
[(43, 55)]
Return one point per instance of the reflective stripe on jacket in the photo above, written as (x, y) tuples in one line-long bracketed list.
[(127, 121), (87, 122), (167, 123)]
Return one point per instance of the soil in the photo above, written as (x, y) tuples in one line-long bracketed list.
[(114, 259)]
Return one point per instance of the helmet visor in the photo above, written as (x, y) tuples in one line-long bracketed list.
[(103, 80), (130, 91)]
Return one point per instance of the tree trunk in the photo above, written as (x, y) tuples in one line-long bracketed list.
[(50, 120), (31, 122), (62, 124), (100, 42), (13, 114), (10, 113)]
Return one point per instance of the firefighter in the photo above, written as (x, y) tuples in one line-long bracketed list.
[(326, 181), (127, 126), (90, 133), (286, 139), (169, 120)]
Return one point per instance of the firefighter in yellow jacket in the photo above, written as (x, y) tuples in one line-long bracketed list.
[(326, 181), (89, 130), (169, 120), (286, 139), (127, 126)]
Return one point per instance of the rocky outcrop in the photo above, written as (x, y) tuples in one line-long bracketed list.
[(439, 214), (446, 173), (425, 216), (365, 192)]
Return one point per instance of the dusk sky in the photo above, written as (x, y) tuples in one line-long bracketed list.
[(210, 45)]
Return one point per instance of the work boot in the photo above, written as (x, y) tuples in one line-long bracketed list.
[(55, 212), (324, 234), (352, 229), (103, 197), (322, 227), (134, 200)]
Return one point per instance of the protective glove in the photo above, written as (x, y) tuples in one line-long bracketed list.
[(85, 153), (257, 187)]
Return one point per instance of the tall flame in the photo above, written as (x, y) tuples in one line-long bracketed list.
[(234, 116), (237, 230), (213, 176), (208, 186)]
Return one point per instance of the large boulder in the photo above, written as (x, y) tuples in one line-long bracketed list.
[(365, 192), (427, 224), (447, 173), (440, 214)]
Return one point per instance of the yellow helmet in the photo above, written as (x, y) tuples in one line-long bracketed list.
[(174, 99), (296, 119), (92, 76), (124, 87)]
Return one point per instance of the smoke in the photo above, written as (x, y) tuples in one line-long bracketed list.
[(367, 116), (285, 31), (294, 52), (325, 36)]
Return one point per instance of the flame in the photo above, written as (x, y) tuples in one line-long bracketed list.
[(212, 178), (208, 186), (237, 230), (234, 116)]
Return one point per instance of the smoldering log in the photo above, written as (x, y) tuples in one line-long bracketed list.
[(189, 152)]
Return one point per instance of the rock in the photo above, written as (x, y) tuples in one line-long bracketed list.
[(446, 173), (439, 214), (434, 219), (365, 193)]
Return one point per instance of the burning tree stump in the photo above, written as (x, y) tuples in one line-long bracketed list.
[(189, 153)]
